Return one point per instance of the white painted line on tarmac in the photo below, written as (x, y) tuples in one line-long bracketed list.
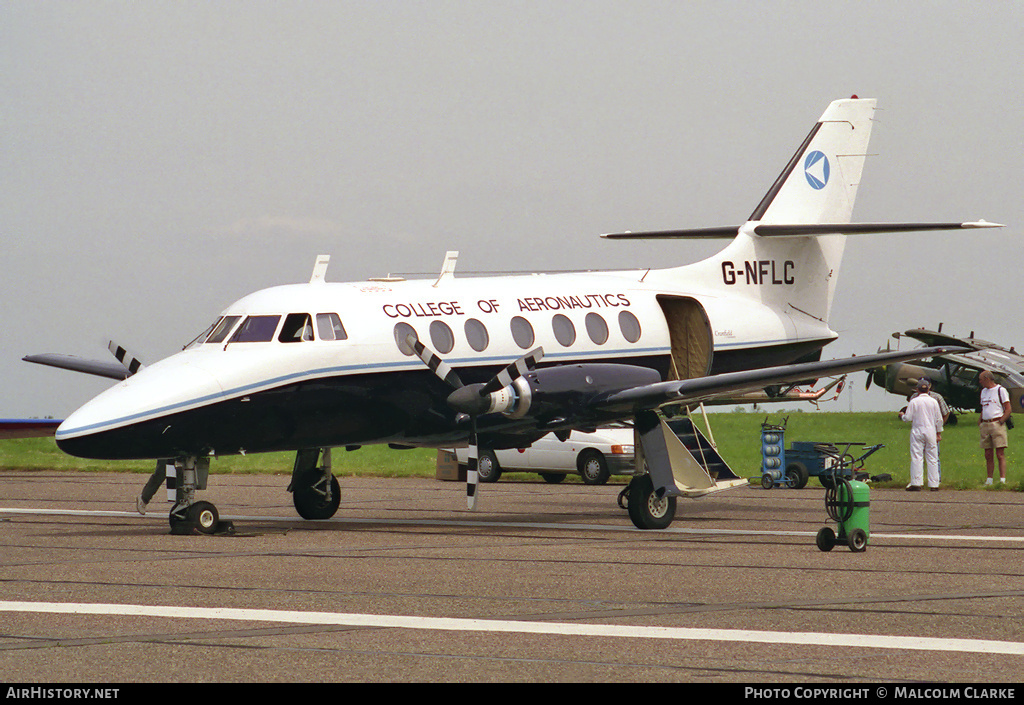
[(67, 512), (470, 523), (870, 641)]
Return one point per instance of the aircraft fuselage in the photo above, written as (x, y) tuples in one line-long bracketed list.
[(353, 385)]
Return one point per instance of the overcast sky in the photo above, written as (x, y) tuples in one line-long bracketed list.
[(159, 160)]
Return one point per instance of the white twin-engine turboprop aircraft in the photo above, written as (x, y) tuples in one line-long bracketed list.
[(498, 362)]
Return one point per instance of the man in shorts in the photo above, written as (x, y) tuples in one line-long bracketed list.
[(995, 410)]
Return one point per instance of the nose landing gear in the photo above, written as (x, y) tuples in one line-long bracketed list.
[(187, 515)]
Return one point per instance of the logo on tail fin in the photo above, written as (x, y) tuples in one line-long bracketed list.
[(816, 170)]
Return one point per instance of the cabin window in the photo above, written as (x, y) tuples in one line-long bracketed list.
[(476, 335), (256, 329), (629, 326), (597, 328), (220, 333), (522, 332), (402, 331), (564, 330), (328, 327), (297, 327), (442, 337)]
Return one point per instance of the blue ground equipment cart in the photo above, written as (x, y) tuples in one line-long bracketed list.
[(793, 467), (773, 455)]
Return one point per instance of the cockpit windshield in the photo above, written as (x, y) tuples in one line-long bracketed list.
[(220, 333), (256, 329)]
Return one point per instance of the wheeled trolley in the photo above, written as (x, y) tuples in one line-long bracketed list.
[(807, 459), (847, 502)]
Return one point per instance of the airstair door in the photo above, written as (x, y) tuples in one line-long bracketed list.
[(690, 334)]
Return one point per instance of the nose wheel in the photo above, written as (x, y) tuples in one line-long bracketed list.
[(196, 518)]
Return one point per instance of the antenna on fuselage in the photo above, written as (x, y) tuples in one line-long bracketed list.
[(320, 269), (448, 268)]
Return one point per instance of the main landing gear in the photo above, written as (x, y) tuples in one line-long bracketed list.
[(316, 493), (646, 509)]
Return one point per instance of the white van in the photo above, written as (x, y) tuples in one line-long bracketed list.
[(594, 456)]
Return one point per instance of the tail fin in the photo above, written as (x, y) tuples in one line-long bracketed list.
[(819, 185), (787, 254), (797, 273)]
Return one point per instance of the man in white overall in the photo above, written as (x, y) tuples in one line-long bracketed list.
[(925, 420)]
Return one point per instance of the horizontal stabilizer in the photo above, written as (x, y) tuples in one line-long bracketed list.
[(111, 370), (773, 230), (798, 230), (726, 232)]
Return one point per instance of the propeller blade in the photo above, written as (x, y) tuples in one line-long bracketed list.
[(867, 384), (439, 367), (130, 362), (472, 476), (473, 400), (513, 371)]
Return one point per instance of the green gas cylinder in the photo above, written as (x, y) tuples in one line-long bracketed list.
[(847, 503)]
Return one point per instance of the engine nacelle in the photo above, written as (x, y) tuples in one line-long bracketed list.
[(567, 391), (564, 391)]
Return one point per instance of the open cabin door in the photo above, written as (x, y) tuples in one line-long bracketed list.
[(690, 333), (680, 461)]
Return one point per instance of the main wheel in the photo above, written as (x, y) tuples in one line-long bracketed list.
[(857, 540), (487, 468), (553, 478), (646, 510), (797, 474), (310, 499), (826, 539), (593, 467)]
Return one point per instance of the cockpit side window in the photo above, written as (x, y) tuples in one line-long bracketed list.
[(328, 327), (297, 328), (256, 329), (220, 333), (201, 338)]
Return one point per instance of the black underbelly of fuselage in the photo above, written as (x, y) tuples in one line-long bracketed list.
[(405, 407)]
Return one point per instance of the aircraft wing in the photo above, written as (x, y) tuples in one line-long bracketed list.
[(791, 394), (28, 428), (691, 391), (931, 337)]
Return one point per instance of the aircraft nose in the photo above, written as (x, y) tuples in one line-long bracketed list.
[(121, 422)]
